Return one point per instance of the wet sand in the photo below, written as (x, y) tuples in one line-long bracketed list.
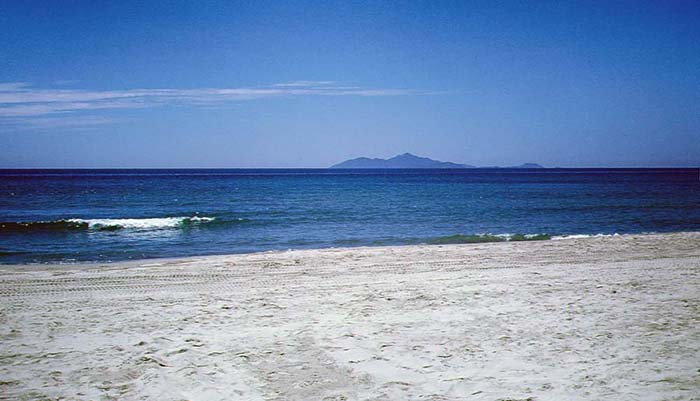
[(613, 318)]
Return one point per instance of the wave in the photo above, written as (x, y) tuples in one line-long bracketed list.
[(478, 238), (575, 236), (156, 223)]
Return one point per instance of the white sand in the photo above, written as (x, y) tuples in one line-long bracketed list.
[(597, 318)]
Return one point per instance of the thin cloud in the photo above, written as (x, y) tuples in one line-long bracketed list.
[(19, 100), (75, 122), (40, 109), (63, 82), (295, 84), (12, 86)]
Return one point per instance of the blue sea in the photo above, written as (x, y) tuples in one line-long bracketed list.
[(109, 215)]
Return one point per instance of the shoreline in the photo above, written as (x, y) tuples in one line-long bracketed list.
[(202, 258), (582, 318)]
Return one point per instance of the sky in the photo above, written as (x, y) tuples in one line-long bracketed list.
[(93, 84)]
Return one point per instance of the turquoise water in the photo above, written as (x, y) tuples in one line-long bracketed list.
[(108, 215)]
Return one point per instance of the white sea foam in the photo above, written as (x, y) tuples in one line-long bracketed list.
[(574, 236), (142, 224), (510, 236)]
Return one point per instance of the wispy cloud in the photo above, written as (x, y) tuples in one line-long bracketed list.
[(20, 101), (63, 82), (297, 84), (12, 86), (74, 122)]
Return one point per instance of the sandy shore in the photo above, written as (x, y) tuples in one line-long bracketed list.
[(594, 318)]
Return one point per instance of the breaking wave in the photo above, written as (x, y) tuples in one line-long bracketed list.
[(157, 223), (478, 238), (575, 236)]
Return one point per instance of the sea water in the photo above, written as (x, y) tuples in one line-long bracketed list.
[(109, 215)]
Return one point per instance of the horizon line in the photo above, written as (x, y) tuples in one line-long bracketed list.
[(360, 168)]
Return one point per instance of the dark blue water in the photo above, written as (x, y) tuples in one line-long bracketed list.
[(85, 215)]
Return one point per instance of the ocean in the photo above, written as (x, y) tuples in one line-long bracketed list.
[(69, 216)]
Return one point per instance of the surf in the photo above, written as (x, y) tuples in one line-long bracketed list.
[(76, 224)]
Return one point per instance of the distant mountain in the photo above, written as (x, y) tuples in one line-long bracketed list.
[(528, 165), (408, 160), (524, 165), (405, 160)]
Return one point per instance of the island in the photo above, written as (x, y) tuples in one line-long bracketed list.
[(408, 160)]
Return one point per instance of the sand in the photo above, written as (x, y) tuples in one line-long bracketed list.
[(614, 318)]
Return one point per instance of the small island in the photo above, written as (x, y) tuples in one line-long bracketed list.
[(408, 160)]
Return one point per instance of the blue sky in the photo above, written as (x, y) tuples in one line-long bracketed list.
[(308, 84)]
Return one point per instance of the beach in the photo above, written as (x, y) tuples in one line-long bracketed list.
[(614, 317)]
